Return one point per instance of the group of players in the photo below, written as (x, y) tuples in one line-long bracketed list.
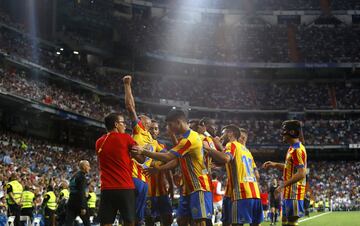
[(134, 170)]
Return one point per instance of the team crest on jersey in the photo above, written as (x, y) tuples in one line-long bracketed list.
[(194, 210)]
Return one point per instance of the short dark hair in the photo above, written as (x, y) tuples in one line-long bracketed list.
[(174, 115), (292, 125), (205, 121), (234, 129), (243, 130), (213, 175), (110, 120)]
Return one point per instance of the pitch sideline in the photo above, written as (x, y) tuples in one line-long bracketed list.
[(310, 218)]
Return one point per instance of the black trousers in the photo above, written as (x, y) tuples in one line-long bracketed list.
[(15, 210), (72, 212), (27, 212), (49, 217)]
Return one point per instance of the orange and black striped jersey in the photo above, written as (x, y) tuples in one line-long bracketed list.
[(241, 172), (296, 157), (189, 150), (142, 137), (157, 183)]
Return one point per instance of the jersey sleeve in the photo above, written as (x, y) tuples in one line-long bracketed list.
[(182, 148), (137, 126), (131, 141), (299, 158), (230, 150)]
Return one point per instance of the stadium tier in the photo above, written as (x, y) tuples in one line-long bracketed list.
[(177, 113)]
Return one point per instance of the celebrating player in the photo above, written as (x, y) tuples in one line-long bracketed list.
[(142, 137), (241, 171), (196, 203), (294, 173), (158, 201)]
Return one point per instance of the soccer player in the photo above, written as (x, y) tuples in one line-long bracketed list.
[(202, 127), (117, 185), (196, 203), (274, 202), (294, 173), (241, 171), (158, 201), (142, 137)]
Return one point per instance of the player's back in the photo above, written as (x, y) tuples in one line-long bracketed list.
[(242, 172)]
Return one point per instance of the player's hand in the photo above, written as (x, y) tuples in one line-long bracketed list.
[(127, 79), (151, 171), (136, 150), (83, 212), (268, 165)]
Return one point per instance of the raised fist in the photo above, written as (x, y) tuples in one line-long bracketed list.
[(127, 79)]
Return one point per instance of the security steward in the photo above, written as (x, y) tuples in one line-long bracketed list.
[(50, 206), (27, 202), (77, 204), (64, 193), (91, 201), (62, 201), (14, 192)]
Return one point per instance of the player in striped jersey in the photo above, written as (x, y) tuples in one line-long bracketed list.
[(196, 204), (158, 201), (142, 137), (294, 173), (242, 179)]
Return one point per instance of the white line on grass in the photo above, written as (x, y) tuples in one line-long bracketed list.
[(310, 218)]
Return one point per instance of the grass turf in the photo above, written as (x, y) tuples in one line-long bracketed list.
[(330, 219)]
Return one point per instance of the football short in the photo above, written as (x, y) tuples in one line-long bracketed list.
[(275, 204), (226, 211), (141, 189), (247, 211), (197, 205), (113, 200), (293, 208)]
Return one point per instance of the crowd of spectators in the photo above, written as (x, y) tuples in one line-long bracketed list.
[(39, 163), (261, 131), (266, 4), (88, 105), (316, 132)]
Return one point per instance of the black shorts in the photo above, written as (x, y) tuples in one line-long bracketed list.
[(275, 204), (112, 201), (265, 207)]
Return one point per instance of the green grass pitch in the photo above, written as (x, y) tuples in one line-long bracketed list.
[(328, 219)]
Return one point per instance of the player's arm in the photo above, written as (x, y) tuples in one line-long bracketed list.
[(218, 189), (129, 98), (257, 175), (158, 166), (164, 157), (169, 178), (218, 156), (218, 144), (223, 157), (276, 165)]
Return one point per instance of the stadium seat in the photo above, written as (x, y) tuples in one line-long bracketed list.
[(10, 221), (36, 221), (25, 219)]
